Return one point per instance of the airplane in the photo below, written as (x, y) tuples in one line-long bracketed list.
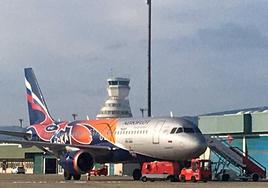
[(81, 143)]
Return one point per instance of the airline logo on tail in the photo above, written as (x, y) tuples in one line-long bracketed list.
[(46, 129), (38, 111)]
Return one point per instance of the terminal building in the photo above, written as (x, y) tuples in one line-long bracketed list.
[(32, 159), (247, 130)]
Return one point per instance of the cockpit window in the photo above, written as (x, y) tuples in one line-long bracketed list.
[(188, 130), (173, 130), (179, 130)]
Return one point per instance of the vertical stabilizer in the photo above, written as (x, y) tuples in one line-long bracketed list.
[(38, 111)]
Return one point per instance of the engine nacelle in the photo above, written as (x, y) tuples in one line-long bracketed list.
[(77, 162)]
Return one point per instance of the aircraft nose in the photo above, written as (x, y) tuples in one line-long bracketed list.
[(196, 145), (199, 144)]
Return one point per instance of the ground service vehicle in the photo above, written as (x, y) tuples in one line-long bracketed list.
[(19, 170), (200, 170), (226, 175), (160, 170), (100, 171)]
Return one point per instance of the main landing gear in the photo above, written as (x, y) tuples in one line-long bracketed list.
[(68, 176)]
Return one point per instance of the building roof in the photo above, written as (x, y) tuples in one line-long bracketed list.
[(15, 151)]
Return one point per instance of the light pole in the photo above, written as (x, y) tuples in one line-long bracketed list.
[(74, 116), (142, 111), (149, 3), (21, 120)]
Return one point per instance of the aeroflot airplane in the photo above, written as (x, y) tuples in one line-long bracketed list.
[(79, 144)]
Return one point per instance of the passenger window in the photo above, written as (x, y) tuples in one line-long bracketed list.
[(173, 130), (179, 130)]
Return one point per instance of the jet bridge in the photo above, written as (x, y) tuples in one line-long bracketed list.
[(249, 167)]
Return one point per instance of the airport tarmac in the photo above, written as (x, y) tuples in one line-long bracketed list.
[(56, 181)]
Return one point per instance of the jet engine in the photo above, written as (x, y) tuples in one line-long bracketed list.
[(77, 162)]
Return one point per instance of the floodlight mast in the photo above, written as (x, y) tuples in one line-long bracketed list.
[(149, 3)]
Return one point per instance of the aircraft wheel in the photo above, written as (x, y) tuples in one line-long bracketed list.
[(67, 175), (77, 177), (171, 178), (182, 179), (225, 177), (136, 174), (144, 179), (193, 179), (255, 177)]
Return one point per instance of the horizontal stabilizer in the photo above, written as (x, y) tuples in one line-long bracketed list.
[(56, 149), (24, 135)]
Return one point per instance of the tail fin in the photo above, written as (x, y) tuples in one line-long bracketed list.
[(38, 111)]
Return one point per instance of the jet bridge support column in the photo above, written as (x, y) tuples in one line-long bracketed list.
[(245, 146), (247, 130)]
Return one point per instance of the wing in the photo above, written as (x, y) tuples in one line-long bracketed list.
[(57, 149), (17, 134)]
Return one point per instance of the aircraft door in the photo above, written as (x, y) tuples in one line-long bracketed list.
[(156, 132)]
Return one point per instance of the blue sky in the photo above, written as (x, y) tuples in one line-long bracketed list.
[(207, 55)]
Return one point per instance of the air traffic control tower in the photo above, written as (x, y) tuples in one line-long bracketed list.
[(117, 104)]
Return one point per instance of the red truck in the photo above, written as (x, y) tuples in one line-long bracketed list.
[(200, 170), (100, 171), (160, 170)]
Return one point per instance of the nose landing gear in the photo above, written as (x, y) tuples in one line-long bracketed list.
[(136, 174)]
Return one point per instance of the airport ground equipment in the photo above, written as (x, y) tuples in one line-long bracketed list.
[(248, 167), (227, 174), (200, 170), (103, 171), (160, 170), (19, 170)]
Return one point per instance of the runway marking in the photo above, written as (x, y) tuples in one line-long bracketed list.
[(83, 182), (29, 182), (80, 182), (63, 182)]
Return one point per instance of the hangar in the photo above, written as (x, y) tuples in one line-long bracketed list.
[(33, 159)]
